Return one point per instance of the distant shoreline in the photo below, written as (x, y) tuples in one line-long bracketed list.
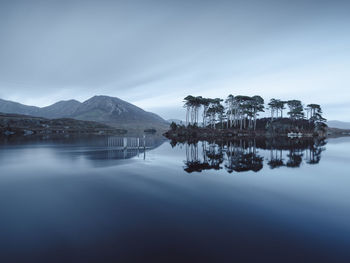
[(23, 125), (231, 134)]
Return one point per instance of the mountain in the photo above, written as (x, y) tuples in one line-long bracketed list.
[(114, 111), (338, 124), (108, 110), (64, 108), (7, 106)]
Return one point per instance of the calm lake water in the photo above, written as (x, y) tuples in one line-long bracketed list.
[(92, 200)]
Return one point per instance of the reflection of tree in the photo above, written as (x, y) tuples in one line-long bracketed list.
[(313, 154), (296, 147), (192, 152), (173, 143), (193, 164), (242, 155), (295, 158), (196, 167), (276, 159), (241, 158), (248, 162), (212, 157)]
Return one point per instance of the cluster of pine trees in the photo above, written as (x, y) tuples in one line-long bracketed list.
[(242, 111)]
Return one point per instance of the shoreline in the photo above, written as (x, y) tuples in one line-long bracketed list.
[(184, 133)]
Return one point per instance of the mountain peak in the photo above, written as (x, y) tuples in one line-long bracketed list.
[(65, 102), (103, 97)]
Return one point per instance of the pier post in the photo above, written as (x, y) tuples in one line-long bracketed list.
[(144, 147), (125, 153), (125, 142)]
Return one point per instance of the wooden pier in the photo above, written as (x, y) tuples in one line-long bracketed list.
[(122, 143)]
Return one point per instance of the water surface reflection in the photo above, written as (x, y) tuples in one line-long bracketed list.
[(98, 150), (250, 154)]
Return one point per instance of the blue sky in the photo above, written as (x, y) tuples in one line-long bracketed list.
[(154, 53)]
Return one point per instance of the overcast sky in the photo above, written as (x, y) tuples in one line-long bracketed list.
[(155, 52)]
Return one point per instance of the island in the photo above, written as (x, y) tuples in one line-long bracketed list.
[(237, 116)]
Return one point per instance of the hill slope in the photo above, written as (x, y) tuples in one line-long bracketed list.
[(7, 106), (15, 124)]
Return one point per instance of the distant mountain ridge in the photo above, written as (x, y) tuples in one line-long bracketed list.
[(177, 121), (109, 110), (339, 124)]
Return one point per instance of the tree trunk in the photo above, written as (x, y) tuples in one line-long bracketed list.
[(254, 121), (187, 115)]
